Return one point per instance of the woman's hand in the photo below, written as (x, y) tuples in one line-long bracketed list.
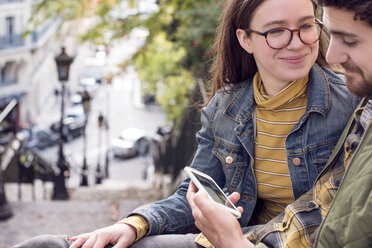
[(119, 235), (220, 227)]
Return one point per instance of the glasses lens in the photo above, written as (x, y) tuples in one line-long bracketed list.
[(278, 38), (310, 33)]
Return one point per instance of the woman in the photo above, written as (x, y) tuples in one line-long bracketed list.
[(268, 130)]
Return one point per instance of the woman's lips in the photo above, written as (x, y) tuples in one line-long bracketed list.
[(294, 59)]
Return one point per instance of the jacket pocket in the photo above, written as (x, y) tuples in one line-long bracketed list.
[(231, 155), (320, 155), (234, 160)]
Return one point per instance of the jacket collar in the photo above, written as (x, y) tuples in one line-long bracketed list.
[(242, 104)]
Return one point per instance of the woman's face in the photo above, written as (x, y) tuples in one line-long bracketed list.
[(278, 67)]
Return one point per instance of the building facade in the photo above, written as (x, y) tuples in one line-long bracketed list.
[(27, 67)]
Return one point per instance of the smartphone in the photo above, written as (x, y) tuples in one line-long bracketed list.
[(204, 182)]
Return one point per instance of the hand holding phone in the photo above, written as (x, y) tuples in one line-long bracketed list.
[(204, 182)]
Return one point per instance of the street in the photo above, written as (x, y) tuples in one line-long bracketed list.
[(120, 105)]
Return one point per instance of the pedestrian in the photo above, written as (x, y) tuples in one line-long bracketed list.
[(275, 116), (56, 93), (143, 150), (337, 211), (143, 147)]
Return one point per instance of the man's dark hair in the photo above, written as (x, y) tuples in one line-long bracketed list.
[(362, 8)]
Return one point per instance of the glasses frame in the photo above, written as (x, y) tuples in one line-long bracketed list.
[(265, 34)]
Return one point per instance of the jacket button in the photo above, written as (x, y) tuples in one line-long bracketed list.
[(284, 224), (337, 183), (229, 159), (296, 161)]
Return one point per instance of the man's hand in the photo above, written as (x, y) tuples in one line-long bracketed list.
[(216, 223), (119, 235)]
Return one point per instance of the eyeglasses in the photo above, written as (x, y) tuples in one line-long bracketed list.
[(278, 38)]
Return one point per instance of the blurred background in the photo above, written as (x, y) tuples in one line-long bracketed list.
[(99, 105)]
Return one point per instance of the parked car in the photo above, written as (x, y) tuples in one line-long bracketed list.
[(72, 128), (77, 112), (40, 138), (94, 69), (76, 99), (128, 143)]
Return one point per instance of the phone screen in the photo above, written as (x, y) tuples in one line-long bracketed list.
[(213, 190)]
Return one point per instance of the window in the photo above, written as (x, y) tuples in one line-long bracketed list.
[(2, 74), (8, 73), (9, 29)]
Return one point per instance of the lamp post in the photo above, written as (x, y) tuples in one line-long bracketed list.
[(5, 210), (63, 62), (108, 80), (98, 169), (86, 100)]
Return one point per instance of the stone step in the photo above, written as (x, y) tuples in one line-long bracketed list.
[(88, 208), (61, 217)]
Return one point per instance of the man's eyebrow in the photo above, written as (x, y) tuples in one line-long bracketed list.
[(341, 33), (282, 21)]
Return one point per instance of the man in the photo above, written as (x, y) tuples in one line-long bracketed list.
[(349, 221), (337, 212)]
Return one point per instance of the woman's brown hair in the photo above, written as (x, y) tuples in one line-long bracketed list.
[(232, 64)]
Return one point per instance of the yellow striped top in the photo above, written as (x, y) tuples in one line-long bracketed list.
[(276, 117)]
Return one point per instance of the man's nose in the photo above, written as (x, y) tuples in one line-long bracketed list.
[(335, 54)]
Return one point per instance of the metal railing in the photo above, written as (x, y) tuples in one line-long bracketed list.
[(9, 41), (176, 150), (5, 209)]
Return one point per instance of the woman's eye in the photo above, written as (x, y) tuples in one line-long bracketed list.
[(276, 31), (307, 26)]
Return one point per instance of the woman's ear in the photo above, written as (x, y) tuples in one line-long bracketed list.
[(244, 40)]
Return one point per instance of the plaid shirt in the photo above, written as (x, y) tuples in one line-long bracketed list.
[(298, 225)]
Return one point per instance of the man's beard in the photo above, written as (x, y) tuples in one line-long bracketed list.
[(362, 87)]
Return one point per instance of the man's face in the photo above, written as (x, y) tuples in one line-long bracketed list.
[(351, 46)]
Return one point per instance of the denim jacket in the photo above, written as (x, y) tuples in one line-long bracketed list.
[(228, 129)]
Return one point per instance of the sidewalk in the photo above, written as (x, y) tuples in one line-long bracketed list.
[(88, 209)]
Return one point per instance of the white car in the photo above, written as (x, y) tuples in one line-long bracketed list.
[(128, 143), (93, 68)]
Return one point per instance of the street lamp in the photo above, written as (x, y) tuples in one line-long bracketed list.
[(63, 62), (85, 99), (108, 80), (98, 169)]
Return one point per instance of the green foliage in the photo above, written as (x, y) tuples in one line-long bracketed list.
[(188, 24), (158, 67), (67, 10), (188, 27)]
